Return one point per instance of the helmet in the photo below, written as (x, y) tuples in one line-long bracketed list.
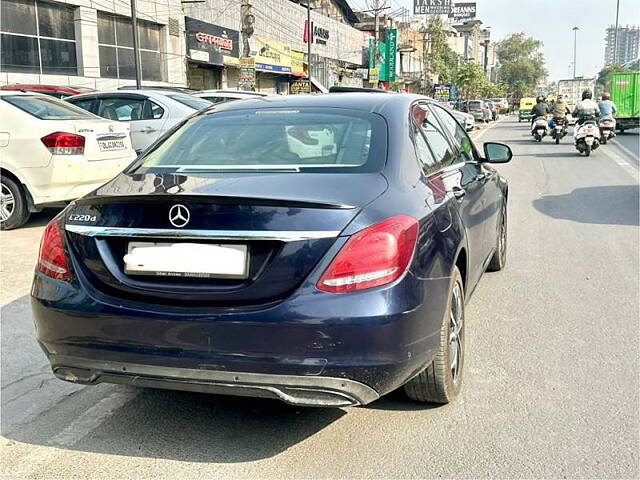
[(540, 99), (560, 96), (606, 96), (586, 94)]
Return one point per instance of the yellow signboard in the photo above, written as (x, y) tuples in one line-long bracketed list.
[(297, 63), (373, 75), (272, 56)]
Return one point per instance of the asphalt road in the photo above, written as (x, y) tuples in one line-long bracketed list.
[(552, 370)]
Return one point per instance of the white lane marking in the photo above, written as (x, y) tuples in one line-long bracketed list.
[(619, 160), (631, 154), (73, 433)]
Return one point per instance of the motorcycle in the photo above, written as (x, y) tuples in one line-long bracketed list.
[(539, 128), (607, 128), (559, 129), (587, 137)]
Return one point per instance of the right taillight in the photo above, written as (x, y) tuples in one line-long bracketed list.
[(52, 261), (375, 256), (64, 143)]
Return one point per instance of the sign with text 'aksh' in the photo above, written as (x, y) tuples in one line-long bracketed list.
[(431, 7)]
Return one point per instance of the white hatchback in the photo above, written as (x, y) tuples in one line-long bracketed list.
[(53, 152)]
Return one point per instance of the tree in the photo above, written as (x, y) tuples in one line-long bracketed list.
[(443, 61), (521, 64), (470, 80), (603, 82)]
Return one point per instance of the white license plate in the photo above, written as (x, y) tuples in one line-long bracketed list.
[(111, 145), (186, 260)]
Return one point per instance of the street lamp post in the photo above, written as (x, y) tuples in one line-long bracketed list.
[(575, 45), (615, 35)]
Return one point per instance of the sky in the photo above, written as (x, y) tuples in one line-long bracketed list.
[(550, 21)]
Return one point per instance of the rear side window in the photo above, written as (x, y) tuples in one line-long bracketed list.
[(436, 138), (297, 140), (219, 99), (48, 108), (196, 103), (125, 109)]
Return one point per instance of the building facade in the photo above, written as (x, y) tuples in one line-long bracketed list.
[(627, 48), (89, 43)]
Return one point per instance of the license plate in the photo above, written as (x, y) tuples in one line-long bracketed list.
[(186, 260), (111, 145)]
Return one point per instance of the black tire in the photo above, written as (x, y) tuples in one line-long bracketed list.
[(603, 140), (438, 383), (587, 150), (499, 258), (557, 139), (539, 138), (16, 212)]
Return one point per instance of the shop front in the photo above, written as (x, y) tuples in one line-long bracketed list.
[(212, 55), (273, 61)]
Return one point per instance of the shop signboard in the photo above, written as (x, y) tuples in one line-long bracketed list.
[(299, 87), (297, 64), (463, 11), (391, 39), (272, 56), (431, 7), (373, 75), (210, 43), (383, 65), (247, 73)]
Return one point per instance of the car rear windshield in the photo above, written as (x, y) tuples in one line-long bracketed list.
[(270, 139), (48, 108), (475, 105), (190, 101)]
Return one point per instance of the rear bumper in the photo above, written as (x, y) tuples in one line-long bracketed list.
[(310, 391)]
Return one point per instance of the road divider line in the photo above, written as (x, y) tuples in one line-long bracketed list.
[(633, 156), (484, 130)]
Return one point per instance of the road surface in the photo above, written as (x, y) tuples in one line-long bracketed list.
[(551, 382)]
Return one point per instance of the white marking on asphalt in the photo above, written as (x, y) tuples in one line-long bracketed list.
[(74, 432), (485, 130), (621, 161), (632, 155)]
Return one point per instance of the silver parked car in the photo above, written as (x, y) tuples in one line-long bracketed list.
[(149, 112), (221, 96), (479, 110)]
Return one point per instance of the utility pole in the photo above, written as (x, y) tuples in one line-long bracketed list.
[(247, 26), (136, 51), (575, 45), (615, 35), (376, 28), (309, 40)]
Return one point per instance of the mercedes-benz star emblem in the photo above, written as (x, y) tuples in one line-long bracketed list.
[(179, 215)]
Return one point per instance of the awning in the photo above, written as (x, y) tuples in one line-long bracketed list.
[(318, 85)]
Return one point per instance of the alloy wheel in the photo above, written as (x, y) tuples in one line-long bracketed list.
[(456, 319), (7, 203)]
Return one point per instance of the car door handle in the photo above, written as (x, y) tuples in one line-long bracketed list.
[(148, 130), (459, 193), (481, 177)]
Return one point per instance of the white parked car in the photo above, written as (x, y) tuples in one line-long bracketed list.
[(53, 152), (221, 96), (465, 119), (149, 112)]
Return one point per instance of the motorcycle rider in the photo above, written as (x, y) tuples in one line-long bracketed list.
[(587, 109), (606, 106), (540, 109), (560, 110)]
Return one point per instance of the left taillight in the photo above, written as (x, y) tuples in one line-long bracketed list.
[(64, 143), (52, 261), (375, 256)]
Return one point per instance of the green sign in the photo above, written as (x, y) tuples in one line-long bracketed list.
[(391, 39), (383, 65), (371, 54)]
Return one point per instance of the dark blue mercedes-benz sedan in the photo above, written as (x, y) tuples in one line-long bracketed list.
[(315, 249)]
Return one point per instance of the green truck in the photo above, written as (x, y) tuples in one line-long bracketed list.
[(625, 93)]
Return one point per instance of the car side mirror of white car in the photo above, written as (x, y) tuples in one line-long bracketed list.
[(495, 152)]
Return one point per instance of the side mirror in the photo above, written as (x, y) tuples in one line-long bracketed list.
[(495, 152)]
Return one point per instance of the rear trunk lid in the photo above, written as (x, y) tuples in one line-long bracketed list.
[(104, 139), (287, 222)]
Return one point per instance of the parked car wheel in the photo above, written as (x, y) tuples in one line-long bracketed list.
[(441, 381), (499, 259), (13, 206)]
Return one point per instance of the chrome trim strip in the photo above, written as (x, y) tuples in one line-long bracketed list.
[(283, 236)]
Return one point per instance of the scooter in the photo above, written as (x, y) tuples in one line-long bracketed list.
[(607, 128), (559, 129), (587, 137), (539, 128)]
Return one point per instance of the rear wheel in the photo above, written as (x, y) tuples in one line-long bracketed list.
[(557, 139), (499, 258), (441, 381), (603, 140), (13, 206), (587, 150)]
